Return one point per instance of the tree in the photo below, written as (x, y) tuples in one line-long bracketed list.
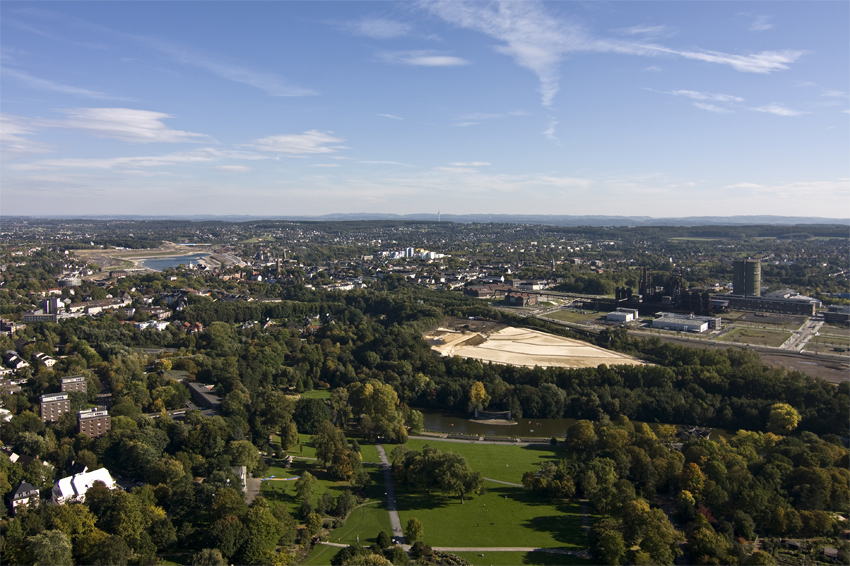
[(581, 436), (783, 418), (50, 548), (413, 531), (310, 414), (243, 453), (304, 486), (263, 533), (384, 539), (208, 557), (478, 397)]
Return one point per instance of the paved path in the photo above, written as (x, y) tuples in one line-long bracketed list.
[(503, 482), (395, 522), (578, 552), (475, 440)]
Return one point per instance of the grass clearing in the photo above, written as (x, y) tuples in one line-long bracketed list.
[(516, 558), (578, 317), (499, 462), (756, 336), (503, 516), (316, 394), (283, 492), (369, 453)]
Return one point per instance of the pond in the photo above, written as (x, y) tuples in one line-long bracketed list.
[(443, 422), (164, 262)]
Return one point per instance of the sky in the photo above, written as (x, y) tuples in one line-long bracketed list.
[(284, 108)]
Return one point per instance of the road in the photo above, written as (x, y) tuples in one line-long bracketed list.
[(802, 336), (395, 522)]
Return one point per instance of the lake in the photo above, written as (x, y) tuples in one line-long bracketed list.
[(160, 263), (441, 422)]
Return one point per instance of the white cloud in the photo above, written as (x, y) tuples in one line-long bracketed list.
[(761, 23), (378, 28), (13, 140), (125, 124), (391, 116), (712, 108), (549, 132), (425, 58), (705, 95), (764, 62), (324, 165), (471, 164), (310, 142), (538, 41), (181, 158), (235, 168), (834, 93), (779, 110), (643, 29), (271, 83), (45, 84), (653, 69)]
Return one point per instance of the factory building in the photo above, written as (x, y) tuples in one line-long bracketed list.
[(622, 315), (685, 323), (746, 277)]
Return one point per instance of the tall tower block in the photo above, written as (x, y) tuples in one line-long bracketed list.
[(746, 277)]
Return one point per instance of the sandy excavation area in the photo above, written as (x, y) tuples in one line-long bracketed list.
[(524, 347)]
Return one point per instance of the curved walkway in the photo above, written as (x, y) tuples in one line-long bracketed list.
[(503, 482)]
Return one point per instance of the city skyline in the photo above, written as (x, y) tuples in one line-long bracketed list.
[(292, 108)]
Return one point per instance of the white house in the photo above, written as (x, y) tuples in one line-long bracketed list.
[(74, 487)]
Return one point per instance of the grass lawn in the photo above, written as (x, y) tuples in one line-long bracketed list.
[(366, 522), (283, 492), (756, 336), (516, 558), (369, 453), (499, 462), (316, 394), (503, 516), (576, 316)]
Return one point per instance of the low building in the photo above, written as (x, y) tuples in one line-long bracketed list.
[(521, 299), (793, 305), (94, 423), (39, 315), (44, 359), (54, 405), (74, 488), (685, 323), (74, 383), (622, 315), (24, 495), (203, 396), (14, 361), (837, 315)]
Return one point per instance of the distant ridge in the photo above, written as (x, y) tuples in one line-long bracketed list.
[(545, 219)]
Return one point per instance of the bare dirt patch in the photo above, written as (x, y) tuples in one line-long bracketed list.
[(529, 348)]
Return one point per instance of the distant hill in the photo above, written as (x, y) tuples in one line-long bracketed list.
[(546, 219)]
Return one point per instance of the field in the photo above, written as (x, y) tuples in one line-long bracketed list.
[(756, 336), (523, 347), (577, 317), (517, 558), (316, 394), (830, 339), (503, 516), (498, 462)]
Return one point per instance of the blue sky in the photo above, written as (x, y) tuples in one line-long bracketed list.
[(307, 108)]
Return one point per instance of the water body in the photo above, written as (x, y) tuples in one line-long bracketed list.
[(160, 263), (441, 422)]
